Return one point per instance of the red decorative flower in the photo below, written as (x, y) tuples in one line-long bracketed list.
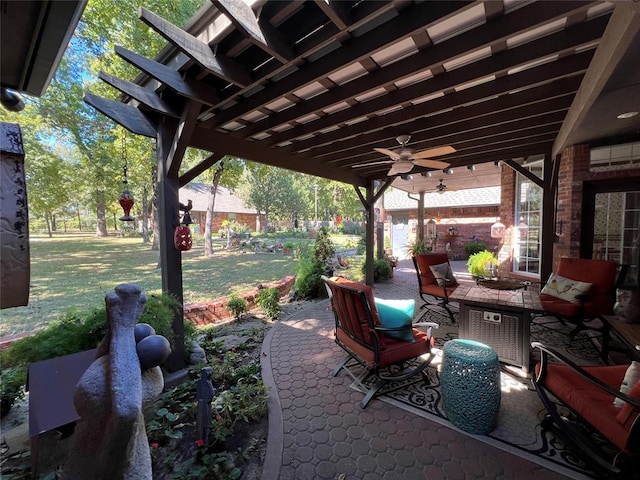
[(200, 443), (154, 445)]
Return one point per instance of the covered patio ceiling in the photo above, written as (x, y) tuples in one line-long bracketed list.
[(315, 86)]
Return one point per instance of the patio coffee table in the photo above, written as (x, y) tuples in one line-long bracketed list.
[(498, 318)]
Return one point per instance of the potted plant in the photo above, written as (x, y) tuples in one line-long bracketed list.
[(482, 264), (418, 246), (287, 248)]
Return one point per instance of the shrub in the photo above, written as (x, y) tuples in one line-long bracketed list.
[(324, 249), (12, 382), (482, 263), (268, 300), (237, 306), (362, 245), (313, 264), (472, 248), (382, 270), (308, 281)]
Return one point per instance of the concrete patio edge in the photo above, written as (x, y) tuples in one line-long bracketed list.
[(275, 446)]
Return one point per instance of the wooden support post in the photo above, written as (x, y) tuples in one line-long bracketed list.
[(421, 216), (371, 221), (170, 256), (550, 173)]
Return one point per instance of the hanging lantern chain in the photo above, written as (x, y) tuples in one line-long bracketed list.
[(126, 199)]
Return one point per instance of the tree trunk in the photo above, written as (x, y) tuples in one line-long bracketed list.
[(153, 207), (54, 225), (79, 217), (145, 216), (101, 225), (266, 221), (47, 217), (208, 224)]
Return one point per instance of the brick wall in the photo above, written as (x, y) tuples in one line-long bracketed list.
[(215, 311), (572, 174)]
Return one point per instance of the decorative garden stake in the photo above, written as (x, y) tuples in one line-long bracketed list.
[(126, 199), (204, 394)]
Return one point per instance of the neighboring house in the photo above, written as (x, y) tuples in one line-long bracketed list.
[(451, 219), (227, 207)]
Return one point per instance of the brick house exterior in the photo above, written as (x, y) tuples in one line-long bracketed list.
[(451, 219), (228, 206)]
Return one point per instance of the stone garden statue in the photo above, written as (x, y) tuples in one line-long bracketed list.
[(204, 394), (110, 441)]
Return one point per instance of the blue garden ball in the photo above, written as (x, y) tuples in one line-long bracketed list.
[(152, 351), (143, 330)]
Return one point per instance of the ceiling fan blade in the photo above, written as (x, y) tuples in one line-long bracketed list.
[(400, 167), (434, 152), (386, 151), (431, 163), (368, 164)]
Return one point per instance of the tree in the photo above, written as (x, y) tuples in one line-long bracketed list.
[(270, 191), (48, 180)]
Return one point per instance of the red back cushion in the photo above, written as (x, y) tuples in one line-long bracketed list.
[(352, 314)]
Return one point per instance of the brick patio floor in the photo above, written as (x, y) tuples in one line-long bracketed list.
[(317, 429)]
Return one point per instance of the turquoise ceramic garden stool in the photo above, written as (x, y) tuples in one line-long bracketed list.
[(470, 380)]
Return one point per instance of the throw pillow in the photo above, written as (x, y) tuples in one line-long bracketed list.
[(630, 379), (396, 314), (443, 274), (629, 414), (565, 288)]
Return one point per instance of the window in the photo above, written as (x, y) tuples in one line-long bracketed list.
[(528, 214)]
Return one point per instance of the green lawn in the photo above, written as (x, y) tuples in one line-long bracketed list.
[(75, 271)]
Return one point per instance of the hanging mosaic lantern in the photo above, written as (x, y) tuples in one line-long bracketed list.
[(182, 238)]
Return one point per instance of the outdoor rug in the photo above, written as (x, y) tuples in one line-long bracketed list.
[(520, 430)]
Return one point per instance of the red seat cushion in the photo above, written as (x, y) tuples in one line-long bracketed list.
[(558, 306), (396, 350), (591, 403)]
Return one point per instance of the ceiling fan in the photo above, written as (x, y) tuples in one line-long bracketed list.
[(404, 158), (441, 188)]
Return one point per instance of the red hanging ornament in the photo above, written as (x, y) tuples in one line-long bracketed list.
[(126, 202), (125, 199), (182, 238)]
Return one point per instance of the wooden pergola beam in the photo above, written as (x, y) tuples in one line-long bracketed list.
[(126, 115), (146, 97), (261, 33), (217, 64), (167, 76)]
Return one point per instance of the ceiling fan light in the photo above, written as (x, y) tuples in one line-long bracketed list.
[(471, 168), (402, 139), (448, 171), (406, 177), (426, 174)]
